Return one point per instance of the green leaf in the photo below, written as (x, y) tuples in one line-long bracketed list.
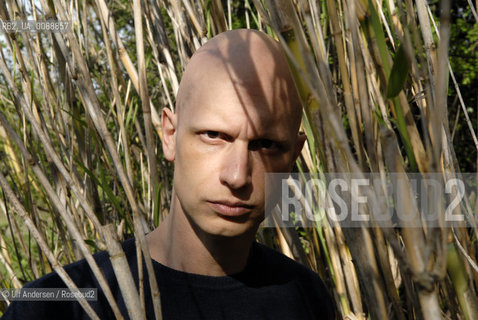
[(92, 244), (377, 33), (399, 73)]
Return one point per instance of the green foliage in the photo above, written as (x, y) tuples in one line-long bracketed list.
[(398, 75), (464, 62)]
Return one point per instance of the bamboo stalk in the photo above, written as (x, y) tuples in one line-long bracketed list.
[(119, 104), (123, 274), (144, 94), (413, 237)]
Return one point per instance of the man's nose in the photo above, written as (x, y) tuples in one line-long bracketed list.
[(236, 166)]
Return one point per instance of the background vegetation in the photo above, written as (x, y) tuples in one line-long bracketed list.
[(388, 86)]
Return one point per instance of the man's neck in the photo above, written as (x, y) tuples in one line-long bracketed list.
[(177, 245)]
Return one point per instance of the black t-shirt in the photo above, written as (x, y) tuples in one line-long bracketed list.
[(271, 286)]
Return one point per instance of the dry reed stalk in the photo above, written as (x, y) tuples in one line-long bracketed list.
[(123, 274), (348, 94), (361, 99), (414, 240), (218, 17), (119, 105), (427, 36), (198, 23), (144, 95), (345, 283), (157, 35), (153, 180)]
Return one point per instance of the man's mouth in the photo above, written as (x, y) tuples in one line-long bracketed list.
[(230, 208)]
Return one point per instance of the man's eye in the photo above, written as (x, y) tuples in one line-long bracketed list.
[(267, 144), (264, 144), (211, 134)]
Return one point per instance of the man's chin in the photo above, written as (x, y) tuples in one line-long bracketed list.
[(235, 219), (230, 227)]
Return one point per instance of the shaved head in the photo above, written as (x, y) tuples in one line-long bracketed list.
[(252, 63)]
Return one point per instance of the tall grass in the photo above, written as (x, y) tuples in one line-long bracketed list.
[(81, 167)]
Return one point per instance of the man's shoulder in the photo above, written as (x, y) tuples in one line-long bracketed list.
[(274, 267)]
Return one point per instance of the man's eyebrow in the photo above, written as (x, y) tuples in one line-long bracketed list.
[(282, 140), (267, 136), (197, 127)]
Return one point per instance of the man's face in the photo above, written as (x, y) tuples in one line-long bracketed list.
[(230, 132)]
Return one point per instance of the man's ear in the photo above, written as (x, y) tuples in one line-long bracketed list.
[(168, 130)]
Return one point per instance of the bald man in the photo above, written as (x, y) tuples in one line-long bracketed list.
[(237, 118)]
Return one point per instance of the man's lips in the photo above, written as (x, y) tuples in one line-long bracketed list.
[(230, 208)]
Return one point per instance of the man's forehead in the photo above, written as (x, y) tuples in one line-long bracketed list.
[(267, 101), (249, 63)]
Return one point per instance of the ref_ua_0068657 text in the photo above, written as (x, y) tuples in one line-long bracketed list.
[(33, 26)]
